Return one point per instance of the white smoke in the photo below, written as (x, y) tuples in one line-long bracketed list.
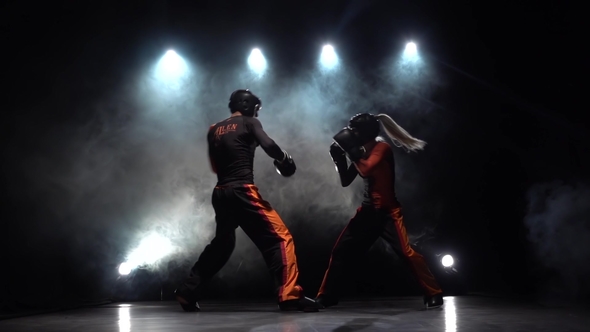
[(139, 166), (558, 219)]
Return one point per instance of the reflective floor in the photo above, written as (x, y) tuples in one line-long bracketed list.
[(399, 314)]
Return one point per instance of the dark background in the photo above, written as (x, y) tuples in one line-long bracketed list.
[(513, 91)]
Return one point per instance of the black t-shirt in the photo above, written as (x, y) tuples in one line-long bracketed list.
[(232, 143)]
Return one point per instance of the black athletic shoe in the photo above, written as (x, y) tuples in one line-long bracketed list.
[(188, 306), (326, 301), (304, 304), (433, 302)]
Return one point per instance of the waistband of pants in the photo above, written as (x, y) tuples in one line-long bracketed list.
[(236, 185)]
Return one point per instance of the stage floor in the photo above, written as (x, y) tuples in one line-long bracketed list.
[(467, 313)]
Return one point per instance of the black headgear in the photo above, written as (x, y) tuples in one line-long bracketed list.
[(366, 126), (245, 102)]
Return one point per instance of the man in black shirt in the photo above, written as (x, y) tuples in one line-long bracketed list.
[(236, 201)]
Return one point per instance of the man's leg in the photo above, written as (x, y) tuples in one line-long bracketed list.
[(269, 233), (354, 242), (214, 256), (395, 234)]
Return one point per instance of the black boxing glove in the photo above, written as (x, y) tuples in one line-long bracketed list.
[(338, 155), (350, 143), (286, 167)]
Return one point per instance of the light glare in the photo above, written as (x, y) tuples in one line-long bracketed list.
[(447, 261), (328, 58), (150, 250), (411, 49), (171, 67), (410, 55), (124, 269), (124, 319), (450, 314), (257, 62)]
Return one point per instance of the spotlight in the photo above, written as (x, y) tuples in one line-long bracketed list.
[(411, 49), (328, 58), (124, 269), (447, 261), (411, 53), (151, 249), (257, 62), (171, 67)]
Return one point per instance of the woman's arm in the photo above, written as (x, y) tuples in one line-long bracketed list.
[(366, 166)]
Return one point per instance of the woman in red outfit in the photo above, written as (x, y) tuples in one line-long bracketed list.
[(380, 213)]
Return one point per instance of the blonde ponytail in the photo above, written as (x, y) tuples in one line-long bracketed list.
[(399, 136)]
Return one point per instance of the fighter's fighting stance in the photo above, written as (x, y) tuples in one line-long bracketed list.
[(380, 213), (236, 201)]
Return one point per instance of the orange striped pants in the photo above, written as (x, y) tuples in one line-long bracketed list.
[(242, 206), (357, 238)]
